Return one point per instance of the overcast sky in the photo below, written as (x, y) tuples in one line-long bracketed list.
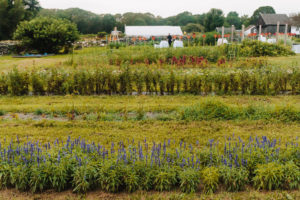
[(167, 8)]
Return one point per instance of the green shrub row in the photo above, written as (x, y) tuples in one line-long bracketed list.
[(254, 48), (262, 81), (214, 110)]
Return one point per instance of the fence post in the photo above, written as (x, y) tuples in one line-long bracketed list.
[(243, 32), (259, 33), (285, 33), (277, 32), (232, 29), (222, 34)]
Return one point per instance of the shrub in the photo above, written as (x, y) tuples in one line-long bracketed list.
[(234, 179), (269, 176), (47, 35), (291, 176), (210, 179), (189, 180), (19, 82), (254, 48), (165, 179)]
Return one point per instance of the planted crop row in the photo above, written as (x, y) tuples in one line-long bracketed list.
[(129, 165), (180, 56), (263, 81)]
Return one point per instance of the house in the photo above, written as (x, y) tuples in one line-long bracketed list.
[(148, 31), (250, 29), (269, 22), (295, 28)]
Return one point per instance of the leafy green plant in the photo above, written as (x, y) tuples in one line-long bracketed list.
[(165, 179), (210, 178), (234, 179), (189, 180), (85, 178), (291, 176), (47, 35), (269, 176)]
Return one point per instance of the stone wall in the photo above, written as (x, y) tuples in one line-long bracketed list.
[(6, 47)]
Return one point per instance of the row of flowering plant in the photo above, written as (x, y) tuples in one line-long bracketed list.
[(129, 165)]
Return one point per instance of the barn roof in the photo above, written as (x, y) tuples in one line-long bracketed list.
[(148, 31), (272, 19)]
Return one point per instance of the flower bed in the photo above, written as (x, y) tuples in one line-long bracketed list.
[(130, 166)]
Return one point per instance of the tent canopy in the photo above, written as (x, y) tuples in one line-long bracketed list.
[(148, 31)]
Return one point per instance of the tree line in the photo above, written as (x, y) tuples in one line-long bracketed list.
[(12, 12)]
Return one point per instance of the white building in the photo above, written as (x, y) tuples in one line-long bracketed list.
[(148, 31), (295, 30), (250, 29)]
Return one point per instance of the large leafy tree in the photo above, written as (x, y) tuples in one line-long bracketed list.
[(214, 18), (12, 12), (263, 10), (32, 7), (233, 19), (47, 35)]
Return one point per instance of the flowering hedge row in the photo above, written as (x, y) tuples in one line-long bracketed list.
[(265, 81), (130, 166)]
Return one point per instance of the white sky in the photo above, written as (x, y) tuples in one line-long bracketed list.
[(167, 8)]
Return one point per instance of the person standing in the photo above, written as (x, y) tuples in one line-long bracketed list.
[(169, 39)]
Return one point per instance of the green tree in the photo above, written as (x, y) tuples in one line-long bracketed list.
[(233, 19), (11, 13), (245, 20), (109, 22), (263, 10), (47, 34), (214, 18), (32, 7), (193, 28)]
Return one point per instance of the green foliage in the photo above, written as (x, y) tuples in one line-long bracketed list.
[(234, 179), (12, 12), (47, 35), (254, 48), (214, 18), (291, 176), (269, 176), (85, 178), (18, 82), (210, 179), (165, 179), (110, 177), (189, 180)]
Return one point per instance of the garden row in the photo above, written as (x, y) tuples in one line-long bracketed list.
[(180, 56), (262, 81), (128, 166)]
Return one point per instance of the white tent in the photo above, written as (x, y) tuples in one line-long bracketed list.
[(148, 31)]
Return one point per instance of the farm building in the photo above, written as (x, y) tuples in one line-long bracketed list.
[(250, 29), (269, 22), (295, 28), (148, 31)]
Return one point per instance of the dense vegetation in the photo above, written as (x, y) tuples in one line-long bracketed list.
[(46, 35), (129, 165), (143, 80)]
